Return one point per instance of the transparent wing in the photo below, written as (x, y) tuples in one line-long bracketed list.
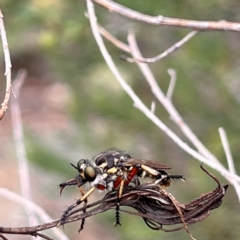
[(149, 163)]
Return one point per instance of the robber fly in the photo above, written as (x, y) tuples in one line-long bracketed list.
[(88, 173), (115, 170), (126, 169)]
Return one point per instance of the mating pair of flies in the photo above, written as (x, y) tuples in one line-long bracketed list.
[(114, 170)]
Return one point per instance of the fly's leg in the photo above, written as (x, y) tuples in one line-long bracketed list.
[(121, 182), (67, 211), (117, 209), (84, 210), (68, 183), (70, 208)]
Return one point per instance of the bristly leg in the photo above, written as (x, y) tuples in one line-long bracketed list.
[(117, 215), (84, 210), (177, 177), (84, 219), (67, 211), (117, 209), (70, 182)]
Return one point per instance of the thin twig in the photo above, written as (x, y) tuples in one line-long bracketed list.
[(172, 84), (37, 209), (221, 25), (227, 150), (8, 66), (170, 50), (2, 237), (111, 38), (114, 40), (228, 154), (158, 93), (127, 49), (43, 236), (176, 204), (32, 209), (19, 144), (142, 107), (175, 116), (153, 107)]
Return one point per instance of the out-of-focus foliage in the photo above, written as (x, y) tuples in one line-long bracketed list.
[(52, 39)]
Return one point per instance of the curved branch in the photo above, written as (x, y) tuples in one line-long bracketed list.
[(143, 108), (42, 215), (221, 25), (168, 51)]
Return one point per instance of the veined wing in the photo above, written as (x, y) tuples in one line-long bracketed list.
[(155, 165)]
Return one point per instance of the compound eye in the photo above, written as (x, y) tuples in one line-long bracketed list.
[(81, 163), (90, 173)]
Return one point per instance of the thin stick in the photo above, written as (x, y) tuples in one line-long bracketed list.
[(175, 116), (221, 25), (176, 204), (2, 237), (113, 40), (19, 145), (142, 107), (170, 50), (37, 209), (153, 107), (227, 150), (127, 49), (8, 66), (172, 83), (43, 236), (158, 93), (228, 154)]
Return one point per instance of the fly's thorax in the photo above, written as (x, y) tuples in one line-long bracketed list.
[(99, 180), (110, 186)]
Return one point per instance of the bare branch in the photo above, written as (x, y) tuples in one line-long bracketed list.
[(2, 237), (113, 40), (221, 25), (171, 87), (228, 154), (19, 144), (158, 93), (144, 109), (153, 107), (227, 150), (43, 236), (8, 66), (37, 209), (126, 48), (177, 118), (170, 50)]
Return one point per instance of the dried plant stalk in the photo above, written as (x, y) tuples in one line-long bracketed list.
[(156, 206)]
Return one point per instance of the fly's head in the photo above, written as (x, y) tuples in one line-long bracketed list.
[(86, 170)]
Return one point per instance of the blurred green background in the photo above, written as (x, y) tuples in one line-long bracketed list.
[(72, 107)]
